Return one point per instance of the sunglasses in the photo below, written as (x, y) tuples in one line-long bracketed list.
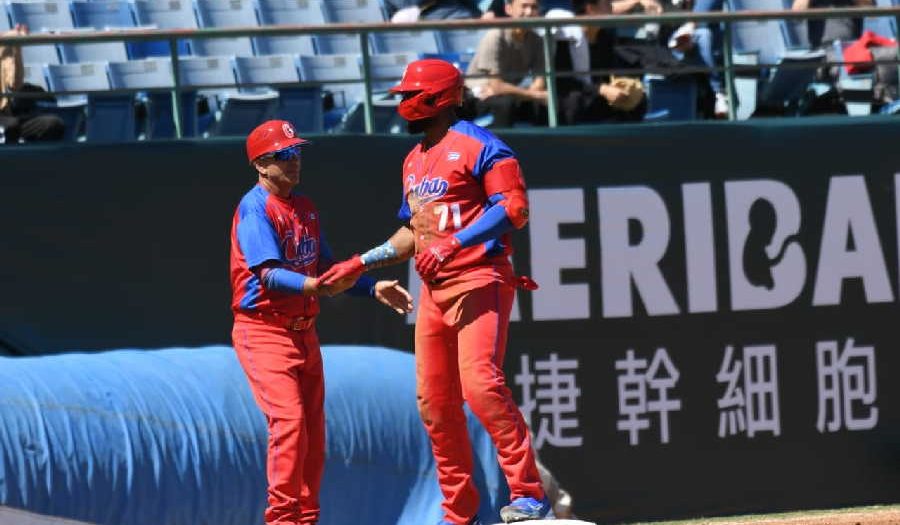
[(289, 153)]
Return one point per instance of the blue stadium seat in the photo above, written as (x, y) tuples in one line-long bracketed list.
[(34, 74), (856, 90), (41, 16), (677, 97), (40, 54), (353, 11), (387, 69), (289, 12), (404, 41), (224, 13), (73, 53), (459, 40), (882, 25), (238, 114), (337, 45), (152, 75), (165, 14), (110, 118), (302, 106), (331, 68), (102, 14), (271, 69)]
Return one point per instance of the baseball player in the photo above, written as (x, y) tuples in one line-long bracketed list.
[(463, 193), (277, 250)]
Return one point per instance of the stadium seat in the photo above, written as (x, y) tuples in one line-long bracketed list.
[(290, 12), (330, 69), (238, 113), (152, 75), (353, 11), (110, 118), (404, 41), (40, 54), (387, 69), (269, 70), (34, 75), (337, 45), (4, 17), (677, 97), (41, 16), (224, 13), (459, 40), (165, 14), (882, 25), (102, 14), (787, 84), (77, 52), (302, 106)]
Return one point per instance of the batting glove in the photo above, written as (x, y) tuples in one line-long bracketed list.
[(353, 265), (437, 255)]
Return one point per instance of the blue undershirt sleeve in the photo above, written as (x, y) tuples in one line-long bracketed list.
[(283, 280), (492, 224)]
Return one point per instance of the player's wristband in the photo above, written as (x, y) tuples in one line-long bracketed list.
[(282, 280), (379, 254)]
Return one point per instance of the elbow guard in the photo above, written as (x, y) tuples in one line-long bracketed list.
[(506, 179)]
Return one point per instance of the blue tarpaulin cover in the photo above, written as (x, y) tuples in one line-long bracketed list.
[(173, 436)]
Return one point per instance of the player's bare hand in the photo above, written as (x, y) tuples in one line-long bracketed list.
[(394, 296), (338, 271), (435, 256)]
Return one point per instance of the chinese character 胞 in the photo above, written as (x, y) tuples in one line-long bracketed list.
[(845, 379)]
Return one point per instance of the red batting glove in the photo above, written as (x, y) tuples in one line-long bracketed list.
[(353, 265), (437, 255)]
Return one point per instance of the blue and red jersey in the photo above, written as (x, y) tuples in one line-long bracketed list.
[(443, 192), (269, 228)]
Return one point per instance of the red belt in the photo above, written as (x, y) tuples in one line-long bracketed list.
[(297, 324)]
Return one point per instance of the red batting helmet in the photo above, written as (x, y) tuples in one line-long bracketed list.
[(437, 84), (270, 136)]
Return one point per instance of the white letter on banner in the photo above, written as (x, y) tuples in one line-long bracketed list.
[(621, 262), (767, 266), (848, 213), (699, 247), (550, 254)]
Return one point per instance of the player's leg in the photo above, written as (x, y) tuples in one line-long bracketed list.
[(312, 388), (482, 321), (272, 362), (441, 408)]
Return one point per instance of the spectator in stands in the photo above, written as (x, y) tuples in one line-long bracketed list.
[(516, 90), (412, 10), (18, 115), (824, 32), (591, 97), (701, 44)]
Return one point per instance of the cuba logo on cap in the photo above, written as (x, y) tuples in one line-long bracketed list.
[(288, 130)]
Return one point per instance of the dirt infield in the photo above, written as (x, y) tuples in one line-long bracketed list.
[(880, 515)]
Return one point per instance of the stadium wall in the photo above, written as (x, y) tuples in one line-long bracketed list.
[(713, 333)]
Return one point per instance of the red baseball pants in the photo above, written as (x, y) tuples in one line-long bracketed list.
[(284, 369), (460, 344)]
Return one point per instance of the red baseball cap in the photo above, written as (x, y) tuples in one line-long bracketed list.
[(272, 135)]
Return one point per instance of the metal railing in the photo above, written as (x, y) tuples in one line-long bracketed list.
[(364, 30)]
